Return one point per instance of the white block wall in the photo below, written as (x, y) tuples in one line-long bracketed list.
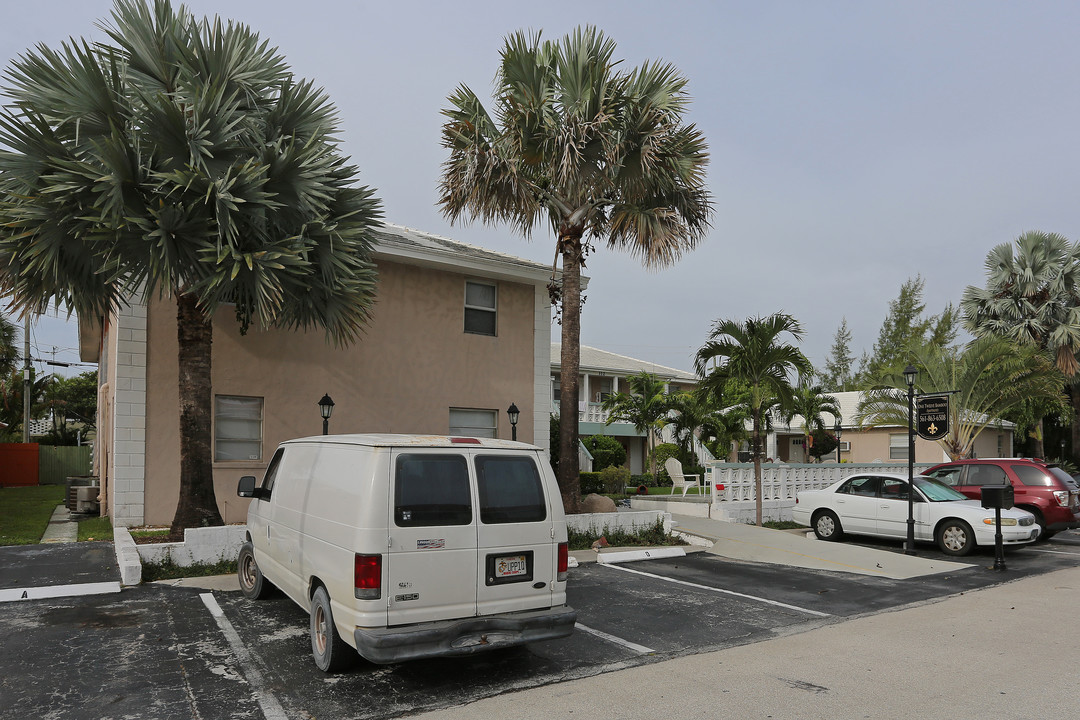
[(129, 415)]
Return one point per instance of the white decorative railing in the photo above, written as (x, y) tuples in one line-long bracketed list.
[(592, 412), (734, 482)]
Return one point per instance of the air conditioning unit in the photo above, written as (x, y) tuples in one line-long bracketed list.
[(845, 446), (86, 499)]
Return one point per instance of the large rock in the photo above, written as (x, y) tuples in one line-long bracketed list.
[(593, 503)]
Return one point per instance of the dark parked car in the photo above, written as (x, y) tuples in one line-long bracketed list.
[(1043, 489)]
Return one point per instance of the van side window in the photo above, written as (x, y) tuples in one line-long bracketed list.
[(271, 472), (510, 490), (431, 490)]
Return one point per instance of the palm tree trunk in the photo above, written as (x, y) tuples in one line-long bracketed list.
[(757, 465), (198, 504), (569, 469)]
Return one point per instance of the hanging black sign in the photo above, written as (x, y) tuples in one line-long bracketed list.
[(932, 416)]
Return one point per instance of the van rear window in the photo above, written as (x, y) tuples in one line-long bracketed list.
[(431, 490), (510, 490)]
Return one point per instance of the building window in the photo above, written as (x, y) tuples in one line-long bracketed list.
[(556, 385), (898, 446), (237, 427), (479, 308), (466, 422)]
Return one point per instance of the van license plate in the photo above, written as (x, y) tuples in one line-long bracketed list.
[(511, 566)]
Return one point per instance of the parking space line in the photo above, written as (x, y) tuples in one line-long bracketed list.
[(269, 705), (640, 649), (720, 590)]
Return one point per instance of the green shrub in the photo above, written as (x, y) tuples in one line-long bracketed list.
[(606, 451), (591, 483), (645, 479), (167, 569), (661, 453), (615, 479), (648, 535)]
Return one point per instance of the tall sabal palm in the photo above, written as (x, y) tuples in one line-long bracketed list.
[(645, 407), (182, 159), (1031, 297), (754, 354), (990, 378), (592, 152), (810, 402)]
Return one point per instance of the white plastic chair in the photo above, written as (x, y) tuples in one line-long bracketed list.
[(678, 478)]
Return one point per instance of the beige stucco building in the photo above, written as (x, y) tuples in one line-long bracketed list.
[(458, 334), (879, 444)]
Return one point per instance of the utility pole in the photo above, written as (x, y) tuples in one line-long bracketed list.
[(27, 383)]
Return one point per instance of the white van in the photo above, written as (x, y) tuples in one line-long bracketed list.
[(408, 546)]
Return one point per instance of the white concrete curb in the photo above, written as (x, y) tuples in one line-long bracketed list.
[(610, 558), (127, 556)]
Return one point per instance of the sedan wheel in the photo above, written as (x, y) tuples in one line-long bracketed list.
[(955, 537), (827, 526)]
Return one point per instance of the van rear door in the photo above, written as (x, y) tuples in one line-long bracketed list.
[(516, 548), (432, 527)]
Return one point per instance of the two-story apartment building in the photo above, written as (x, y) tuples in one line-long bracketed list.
[(602, 373), (458, 334)]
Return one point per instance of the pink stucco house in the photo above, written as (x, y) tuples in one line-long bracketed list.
[(458, 334)]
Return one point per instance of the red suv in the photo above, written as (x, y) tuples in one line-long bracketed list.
[(1046, 491)]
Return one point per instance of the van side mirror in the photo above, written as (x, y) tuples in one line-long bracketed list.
[(246, 488)]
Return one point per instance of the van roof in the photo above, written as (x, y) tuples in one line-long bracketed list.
[(395, 440)]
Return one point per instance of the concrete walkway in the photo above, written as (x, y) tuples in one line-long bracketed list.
[(61, 528), (780, 547)]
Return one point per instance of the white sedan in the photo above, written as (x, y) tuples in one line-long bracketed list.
[(877, 504)]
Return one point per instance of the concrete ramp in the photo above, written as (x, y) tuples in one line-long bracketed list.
[(780, 547)]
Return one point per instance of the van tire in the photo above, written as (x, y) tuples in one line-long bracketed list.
[(331, 653), (252, 583)]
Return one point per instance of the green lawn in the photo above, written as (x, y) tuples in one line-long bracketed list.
[(95, 528), (25, 512)]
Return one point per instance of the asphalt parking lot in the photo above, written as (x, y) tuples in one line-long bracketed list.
[(165, 652)]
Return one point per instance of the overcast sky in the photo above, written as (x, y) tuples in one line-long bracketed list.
[(853, 144)]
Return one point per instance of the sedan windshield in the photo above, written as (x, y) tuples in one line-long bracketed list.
[(936, 491)]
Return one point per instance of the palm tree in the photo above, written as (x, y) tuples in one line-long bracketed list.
[(181, 159), (753, 353), (1032, 297), (645, 407), (9, 355), (592, 152), (809, 401), (689, 412), (991, 378)]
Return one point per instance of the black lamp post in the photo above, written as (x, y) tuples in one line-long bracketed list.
[(910, 373), (513, 414), (837, 430), (326, 407)]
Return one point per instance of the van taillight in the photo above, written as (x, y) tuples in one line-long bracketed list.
[(564, 561), (367, 576)]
